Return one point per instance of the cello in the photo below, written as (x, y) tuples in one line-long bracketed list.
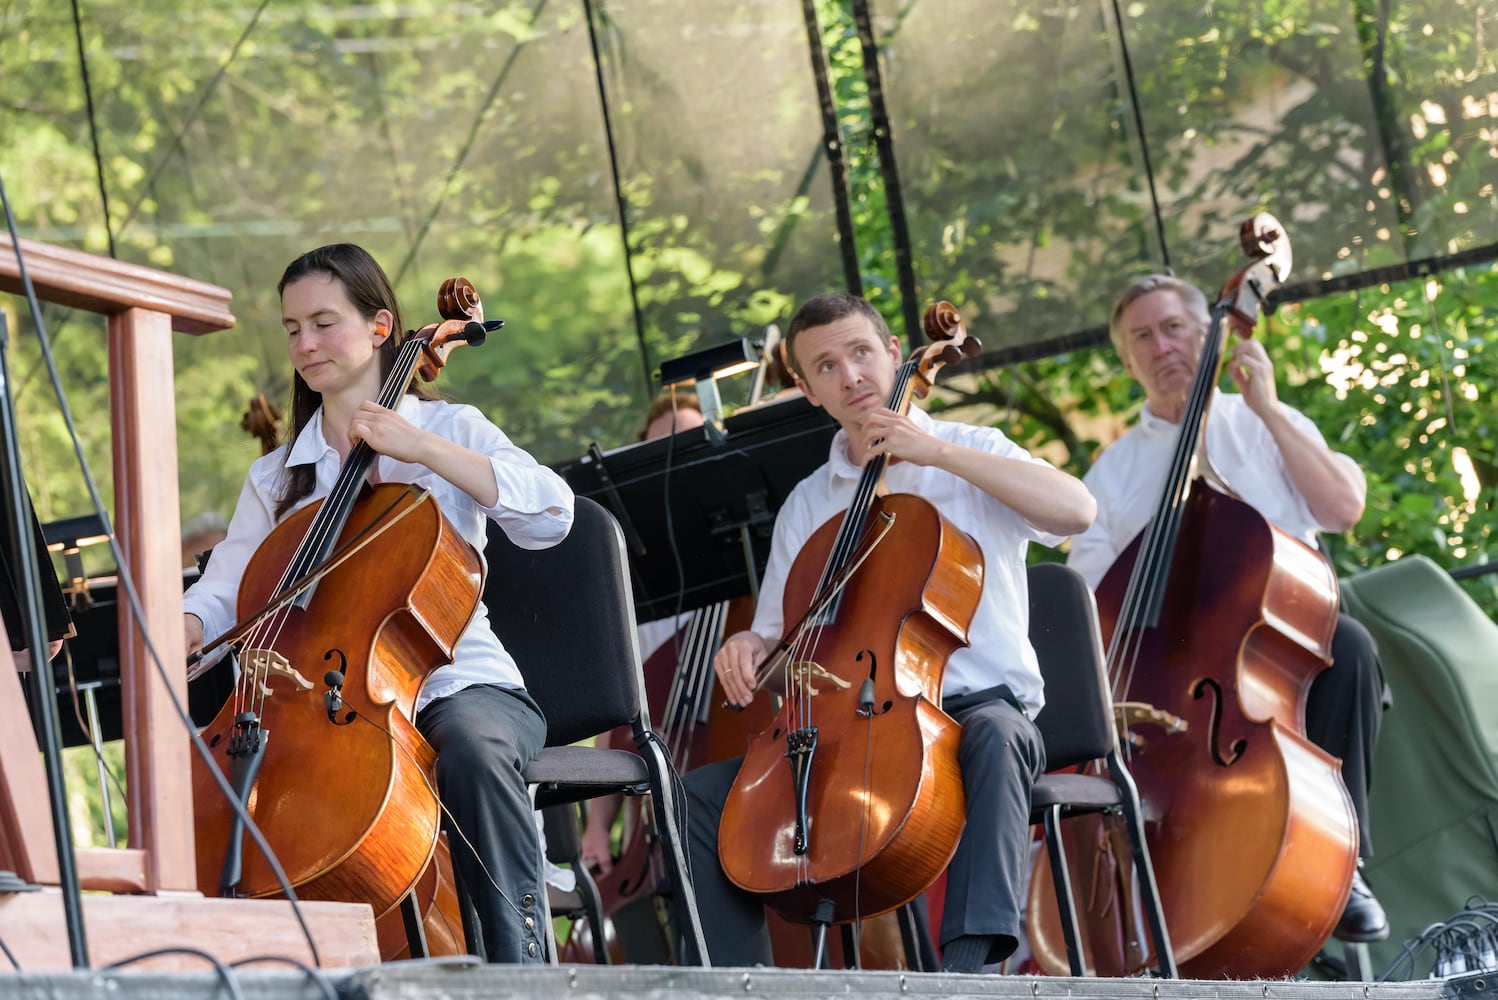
[(369, 589), (882, 594), (1216, 623)]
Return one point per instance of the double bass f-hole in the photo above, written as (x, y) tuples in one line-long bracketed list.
[(1201, 689)]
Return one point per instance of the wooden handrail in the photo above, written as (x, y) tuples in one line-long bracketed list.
[(142, 307), (106, 286)]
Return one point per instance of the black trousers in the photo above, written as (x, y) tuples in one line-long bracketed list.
[(1344, 710), (1000, 754), (484, 736)]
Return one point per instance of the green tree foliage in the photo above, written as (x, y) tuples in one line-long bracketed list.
[(234, 135)]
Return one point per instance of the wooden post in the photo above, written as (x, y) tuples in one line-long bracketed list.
[(144, 307)]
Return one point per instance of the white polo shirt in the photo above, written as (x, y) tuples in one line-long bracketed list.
[(999, 650), (1127, 479)]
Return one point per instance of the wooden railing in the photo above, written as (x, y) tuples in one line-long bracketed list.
[(142, 308)]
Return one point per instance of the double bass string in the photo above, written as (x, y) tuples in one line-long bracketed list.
[(1151, 569)]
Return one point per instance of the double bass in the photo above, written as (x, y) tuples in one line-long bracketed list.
[(850, 802), (344, 609), (1216, 623)]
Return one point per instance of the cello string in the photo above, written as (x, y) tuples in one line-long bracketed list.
[(329, 519)]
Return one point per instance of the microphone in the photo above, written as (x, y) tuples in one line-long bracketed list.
[(332, 699)]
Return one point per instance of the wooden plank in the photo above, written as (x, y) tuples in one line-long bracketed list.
[(120, 927), (102, 285), (27, 845), (148, 522), (110, 869)]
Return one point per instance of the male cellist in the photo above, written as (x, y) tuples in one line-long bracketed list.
[(1278, 462), (844, 359)]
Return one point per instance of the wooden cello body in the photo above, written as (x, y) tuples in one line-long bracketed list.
[(878, 835), (1249, 825), (349, 809), (851, 802)]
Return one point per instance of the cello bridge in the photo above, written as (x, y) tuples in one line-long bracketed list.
[(265, 664), (803, 672)]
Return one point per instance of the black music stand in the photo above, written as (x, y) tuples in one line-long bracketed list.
[(716, 501)]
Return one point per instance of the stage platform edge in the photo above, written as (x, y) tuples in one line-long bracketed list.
[(453, 981)]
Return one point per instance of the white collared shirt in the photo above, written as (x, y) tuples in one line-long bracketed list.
[(999, 650), (534, 509), (1128, 476)]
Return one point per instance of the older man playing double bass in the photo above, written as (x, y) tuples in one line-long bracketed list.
[(1278, 463)]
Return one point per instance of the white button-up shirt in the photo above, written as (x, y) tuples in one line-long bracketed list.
[(1127, 479), (999, 650), (534, 509)]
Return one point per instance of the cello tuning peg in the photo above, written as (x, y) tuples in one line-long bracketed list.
[(951, 354), (972, 347)]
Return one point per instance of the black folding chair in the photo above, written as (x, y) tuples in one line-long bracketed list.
[(567, 616), (1077, 727), (564, 846)]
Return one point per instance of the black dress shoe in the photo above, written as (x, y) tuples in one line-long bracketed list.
[(1363, 918)]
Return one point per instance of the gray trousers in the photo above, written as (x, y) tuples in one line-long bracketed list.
[(484, 736), (1000, 755)]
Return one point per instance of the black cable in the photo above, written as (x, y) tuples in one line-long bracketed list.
[(127, 584), (93, 126), (192, 115), (1144, 146), (463, 151), (6, 949), (622, 206), (231, 983), (318, 976)]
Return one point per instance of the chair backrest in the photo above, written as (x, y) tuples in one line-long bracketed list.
[(567, 616), (1077, 721)]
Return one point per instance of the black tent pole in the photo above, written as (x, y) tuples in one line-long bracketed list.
[(832, 145), (623, 206), (893, 202)]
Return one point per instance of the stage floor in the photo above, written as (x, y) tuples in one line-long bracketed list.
[(458, 981)]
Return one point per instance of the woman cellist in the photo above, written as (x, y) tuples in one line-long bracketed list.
[(846, 361), (343, 327)]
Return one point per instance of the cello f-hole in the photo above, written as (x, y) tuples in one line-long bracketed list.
[(1198, 691)]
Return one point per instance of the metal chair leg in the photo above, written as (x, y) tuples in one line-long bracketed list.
[(668, 822), (1061, 877), (1144, 868)]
